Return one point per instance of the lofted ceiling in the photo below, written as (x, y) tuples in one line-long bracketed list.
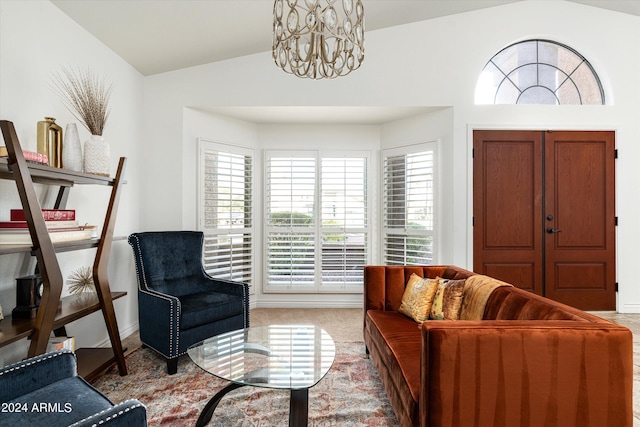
[(157, 36)]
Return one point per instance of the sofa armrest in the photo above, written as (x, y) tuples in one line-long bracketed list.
[(155, 321), (240, 289), (31, 374), (551, 373), (228, 286), (126, 414)]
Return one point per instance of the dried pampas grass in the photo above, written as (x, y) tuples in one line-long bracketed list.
[(86, 96)]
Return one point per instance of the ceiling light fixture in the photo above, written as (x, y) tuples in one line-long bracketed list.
[(318, 38)]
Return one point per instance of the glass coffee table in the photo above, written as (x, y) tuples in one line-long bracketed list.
[(291, 357)]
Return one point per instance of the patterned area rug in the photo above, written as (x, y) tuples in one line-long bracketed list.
[(350, 395)]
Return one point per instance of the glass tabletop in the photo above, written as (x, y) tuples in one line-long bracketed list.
[(273, 356)]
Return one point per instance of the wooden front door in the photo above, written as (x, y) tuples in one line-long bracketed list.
[(544, 213)]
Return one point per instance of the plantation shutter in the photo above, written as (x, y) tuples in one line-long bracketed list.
[(408, 205), (316, 230), (291, 220), (225, 210), (344, 220)]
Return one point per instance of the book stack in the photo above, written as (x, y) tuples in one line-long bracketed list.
[(61, 224), (59, 343), (29, 156)]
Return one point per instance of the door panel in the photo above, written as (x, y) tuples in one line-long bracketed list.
[(544, 213), (579, 194), (508, 207)]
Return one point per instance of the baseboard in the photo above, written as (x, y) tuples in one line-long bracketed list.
[(124, 333), (630, 308)]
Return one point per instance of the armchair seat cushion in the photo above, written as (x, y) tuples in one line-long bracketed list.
[(206, 307)]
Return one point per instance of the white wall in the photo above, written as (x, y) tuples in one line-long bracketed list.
[(36, 40), (434, 63)]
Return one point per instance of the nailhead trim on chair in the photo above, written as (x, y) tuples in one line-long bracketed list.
[(175, 311), (110, 417), (37, 360), (245, 304)]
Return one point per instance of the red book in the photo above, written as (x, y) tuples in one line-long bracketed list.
[(48, 214), (51, 225)]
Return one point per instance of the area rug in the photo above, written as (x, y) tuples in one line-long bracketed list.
[(350, 395)]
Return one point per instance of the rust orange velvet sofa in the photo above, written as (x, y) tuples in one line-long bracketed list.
[(530, 361)]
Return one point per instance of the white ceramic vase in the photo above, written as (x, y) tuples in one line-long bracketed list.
[(72, 149), (97, 156)]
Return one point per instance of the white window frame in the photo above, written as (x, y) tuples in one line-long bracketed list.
[(211, 232), (316, 286), (408, 232)]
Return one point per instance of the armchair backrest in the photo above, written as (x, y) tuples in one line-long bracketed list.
[(164, 259)]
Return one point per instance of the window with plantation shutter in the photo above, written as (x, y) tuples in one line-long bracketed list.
[(225, 210), (408, 205), (291, 184), (344, 220), (316, 221)]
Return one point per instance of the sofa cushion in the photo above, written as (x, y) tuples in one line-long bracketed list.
[(205, 307), (396, 341), (59, 404), (477, 290), (417, 298), (448, 300)]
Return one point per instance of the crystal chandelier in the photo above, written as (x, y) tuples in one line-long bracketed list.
[(318, 38)]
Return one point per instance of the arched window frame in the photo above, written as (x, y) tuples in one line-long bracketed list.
[(493, 67)]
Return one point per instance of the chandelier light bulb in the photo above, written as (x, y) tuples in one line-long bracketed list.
[(318, 38)]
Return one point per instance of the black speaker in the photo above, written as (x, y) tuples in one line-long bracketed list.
[(28, 293)]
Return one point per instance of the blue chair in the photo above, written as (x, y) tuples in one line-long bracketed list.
[(46, 391), (179, 304)]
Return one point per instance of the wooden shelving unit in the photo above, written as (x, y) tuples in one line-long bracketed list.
[(55, 312)]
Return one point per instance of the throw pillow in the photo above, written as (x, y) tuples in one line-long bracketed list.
[(447, 301), (417, 297)]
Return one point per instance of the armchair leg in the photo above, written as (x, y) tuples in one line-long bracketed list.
[(172, 365)]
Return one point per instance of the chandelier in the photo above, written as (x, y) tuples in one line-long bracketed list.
[(318, 38)]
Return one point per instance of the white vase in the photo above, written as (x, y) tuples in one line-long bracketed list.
[(96, 156), (72, 149)]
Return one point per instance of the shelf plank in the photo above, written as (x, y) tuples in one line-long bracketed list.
[(93, 361), (71, 308), (44, 174), (73, 245)]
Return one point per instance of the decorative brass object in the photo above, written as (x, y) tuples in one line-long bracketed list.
[(50, 141)]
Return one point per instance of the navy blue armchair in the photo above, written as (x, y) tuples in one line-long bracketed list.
[(46, 391), (179, 304)]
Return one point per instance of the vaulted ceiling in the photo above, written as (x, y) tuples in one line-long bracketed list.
[(156, 36)]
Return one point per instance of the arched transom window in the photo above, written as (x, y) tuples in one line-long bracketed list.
[(539, 72)]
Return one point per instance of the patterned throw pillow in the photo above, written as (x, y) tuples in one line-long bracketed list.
[(447, 301), (417, 297)]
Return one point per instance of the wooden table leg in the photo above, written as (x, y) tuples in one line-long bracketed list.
[(207, 412), (299, 409)]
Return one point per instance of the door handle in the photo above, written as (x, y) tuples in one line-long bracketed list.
[(553, 230)]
